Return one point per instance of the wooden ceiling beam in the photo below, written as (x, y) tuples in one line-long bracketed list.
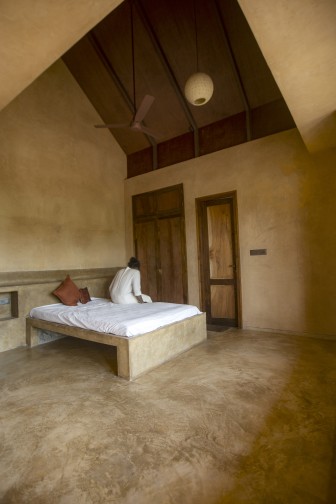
[(121, 88), (102, 56), (170, 74), (236, 72)]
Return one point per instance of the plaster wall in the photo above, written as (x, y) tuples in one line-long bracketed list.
[(298, 40), (61, 190), (35, 33), (284, 199)]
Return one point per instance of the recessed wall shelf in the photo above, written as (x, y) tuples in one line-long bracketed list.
[(9, 306)]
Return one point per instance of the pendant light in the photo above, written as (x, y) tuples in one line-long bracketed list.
[(199, 87)]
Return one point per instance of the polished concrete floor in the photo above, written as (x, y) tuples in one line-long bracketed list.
[(246, 417)]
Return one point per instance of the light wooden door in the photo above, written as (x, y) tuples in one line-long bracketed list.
[(218, 259)]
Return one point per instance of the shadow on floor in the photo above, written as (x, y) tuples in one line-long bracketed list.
[(217, 328)]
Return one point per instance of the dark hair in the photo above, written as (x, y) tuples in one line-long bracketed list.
[(134, 263)]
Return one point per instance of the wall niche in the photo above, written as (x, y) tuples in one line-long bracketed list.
[(9, 306)]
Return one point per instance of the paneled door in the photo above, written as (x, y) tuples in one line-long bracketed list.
[(145, 251), (219, 272), (159, 243)]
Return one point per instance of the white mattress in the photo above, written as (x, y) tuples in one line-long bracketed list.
[(123, 320)]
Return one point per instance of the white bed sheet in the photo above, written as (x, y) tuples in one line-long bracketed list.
[(123, 320)]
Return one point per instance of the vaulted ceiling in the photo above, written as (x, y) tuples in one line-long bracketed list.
[(296, 38), (170, 37)]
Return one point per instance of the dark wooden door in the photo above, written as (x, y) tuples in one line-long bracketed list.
[(218, 242), (171, 259), (159, 242), (145, 251)]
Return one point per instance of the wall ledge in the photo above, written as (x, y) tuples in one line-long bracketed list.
[(17, 278)]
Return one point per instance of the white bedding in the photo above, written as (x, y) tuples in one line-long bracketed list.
[(123, 320)]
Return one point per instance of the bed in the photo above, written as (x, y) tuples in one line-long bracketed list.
[(145, 335)]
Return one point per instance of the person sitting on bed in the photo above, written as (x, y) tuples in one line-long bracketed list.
[(126, 285)]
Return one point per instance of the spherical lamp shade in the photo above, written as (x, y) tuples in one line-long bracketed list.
[(198, 89)]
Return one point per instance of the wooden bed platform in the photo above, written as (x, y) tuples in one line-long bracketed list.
[(136, 355)]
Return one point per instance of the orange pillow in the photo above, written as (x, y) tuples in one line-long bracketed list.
[(84, 295), (68, 292)]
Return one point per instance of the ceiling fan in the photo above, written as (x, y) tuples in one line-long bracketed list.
[(137, 122)]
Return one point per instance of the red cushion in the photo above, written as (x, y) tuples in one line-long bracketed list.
[(68, 292), (84, 296)]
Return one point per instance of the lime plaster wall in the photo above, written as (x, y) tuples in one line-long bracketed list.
[(35, 33), (61, 190), (298, 40), (286, 204)]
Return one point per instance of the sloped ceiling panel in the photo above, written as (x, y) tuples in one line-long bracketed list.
[(35, 33)]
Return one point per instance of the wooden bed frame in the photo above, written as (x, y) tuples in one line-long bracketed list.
[(137, 355)]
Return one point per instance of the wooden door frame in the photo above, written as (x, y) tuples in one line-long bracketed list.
[(231, 196)]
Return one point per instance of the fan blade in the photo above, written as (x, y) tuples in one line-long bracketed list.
[(146, 131), (144, 108), (111, 125)]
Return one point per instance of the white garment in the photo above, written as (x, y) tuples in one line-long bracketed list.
[(126, 286)]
